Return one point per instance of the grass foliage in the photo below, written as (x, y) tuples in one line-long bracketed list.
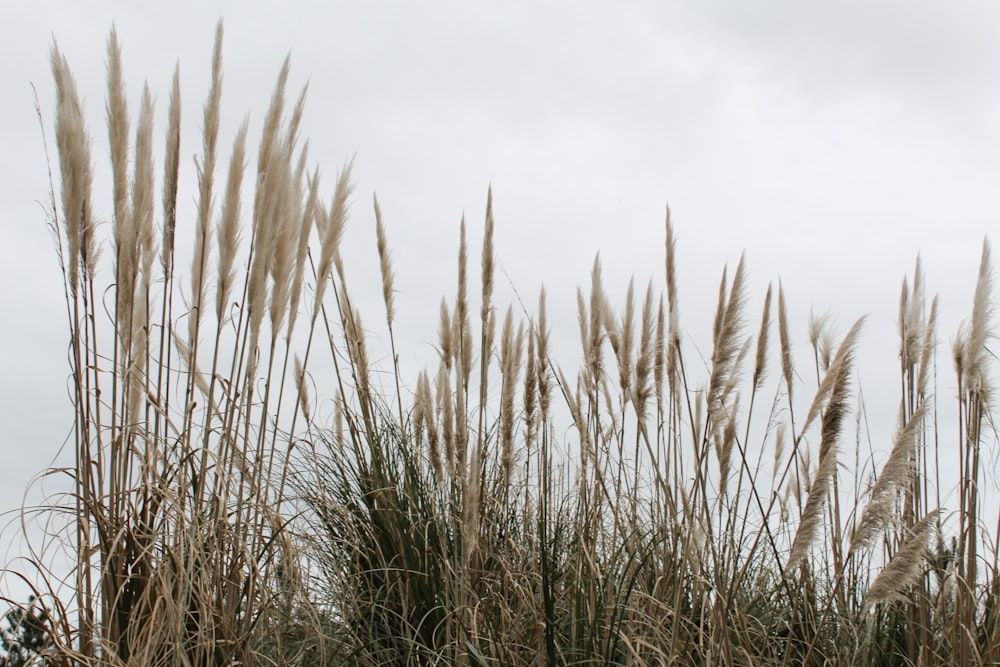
[(496, 509)]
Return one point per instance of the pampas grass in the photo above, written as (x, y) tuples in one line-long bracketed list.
[(835, 392), (904, 568), (898, 471), (497, 507)]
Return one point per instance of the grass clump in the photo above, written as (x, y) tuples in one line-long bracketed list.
[(181, 550), (216, 520)]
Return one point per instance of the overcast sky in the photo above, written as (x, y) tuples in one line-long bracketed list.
[(832, 142)]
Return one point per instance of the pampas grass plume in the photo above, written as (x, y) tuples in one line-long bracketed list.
[(837, 379), (228, 230), (171, 167), (898, 470), (904, 568), (385, 263)]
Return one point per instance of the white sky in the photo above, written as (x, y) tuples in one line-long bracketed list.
[(830, 142)]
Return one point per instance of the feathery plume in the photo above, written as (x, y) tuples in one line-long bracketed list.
[(76, 173), (911, 335), (821, 340), (779, 447), (384, 263), (729, 328), (736, 371), (833, 418), (292, 132), (463, 330), (228, 230), (530, 391), (959, 350), (356, 346), (624, 352), (446, 409), (760, 367), (270, 132), (510, 364), (598, 307), (720, 308), (143, 252), (980, 327), (187, 356), (425, 403), (134, 373), (171, 168), (785, 340), (584, 323), (206, 179), (464, 337), (805, 472), (445, 336), (338, 421), (901, 323), (143, 187), (118, 130), (332, 231), (659, 356), (284, 206), (904, 568), (303, 390), (898, 470), (306, 221), (573, 403), (911, 324), (673, 338), (831, 378), (927, 349), (271, 190), (724, 447), (671, 267), (544, 386), (125, 233), (487, 260), (645, 361)]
